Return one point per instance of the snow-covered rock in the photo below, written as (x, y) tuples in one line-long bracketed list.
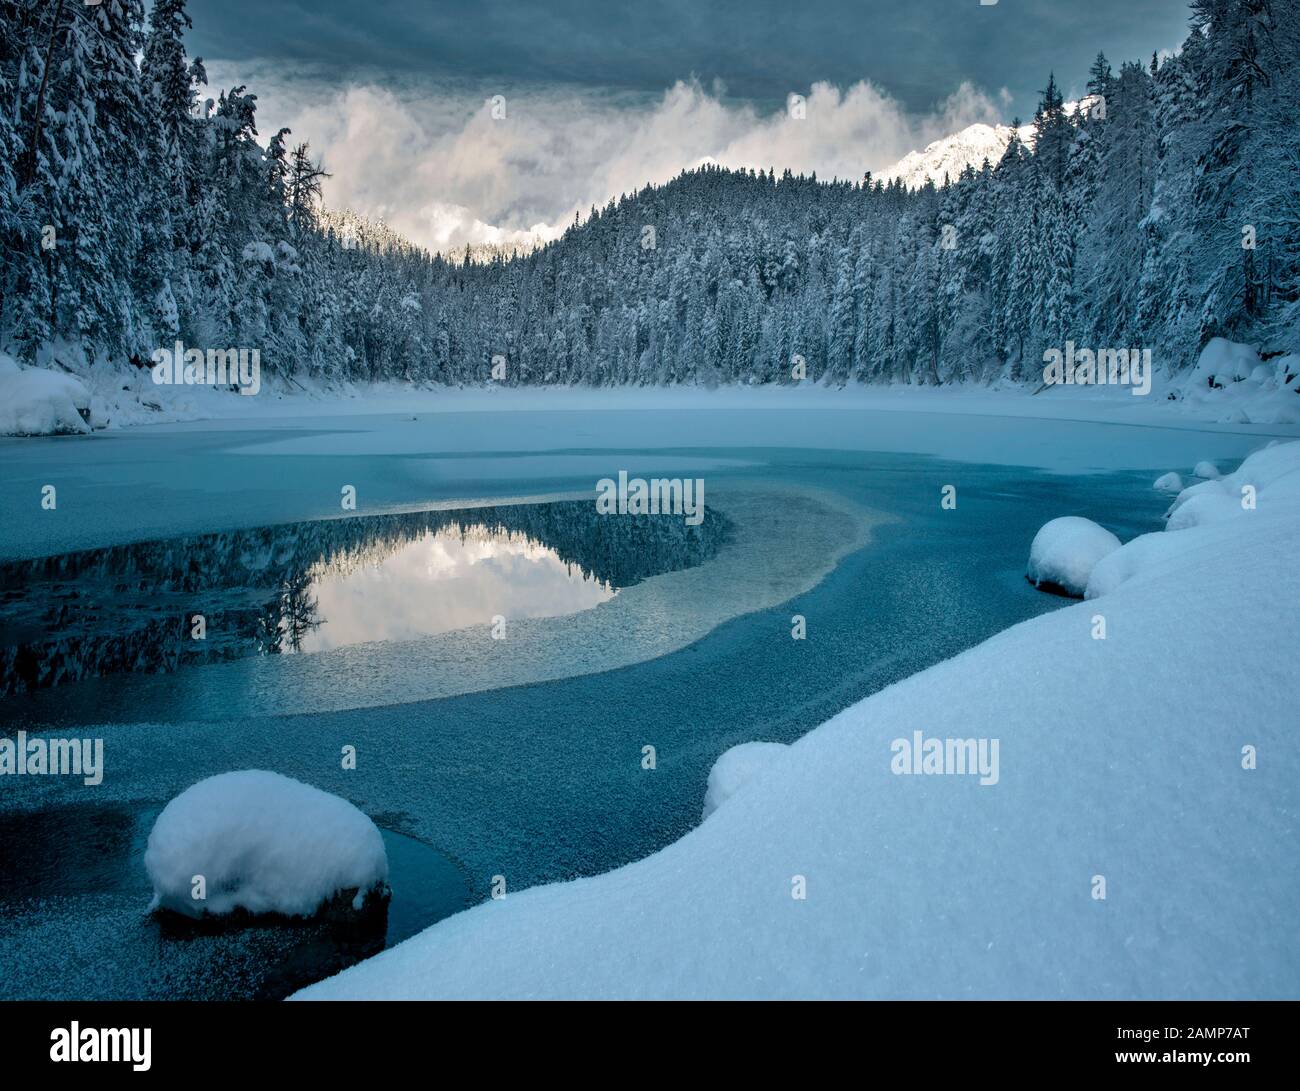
[(1205, 469), (1170, 482), (1064, 553), (1231, 383), (264, 843), (1223, 361), (736, 767), (1124, 757), (36, 402)]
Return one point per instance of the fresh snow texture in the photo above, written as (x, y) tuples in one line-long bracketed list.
[(1264, 482), (264, 843), (1064, 552), (1266, 485), (36, 402), (1121, 760), (736, 767)]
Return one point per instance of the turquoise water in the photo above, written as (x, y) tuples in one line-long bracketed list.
[(525, 757)]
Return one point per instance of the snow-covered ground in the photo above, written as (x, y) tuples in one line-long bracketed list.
[(1230, 384), (1139, 841)]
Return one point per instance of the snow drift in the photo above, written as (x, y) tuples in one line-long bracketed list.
[(1160, 762), (736, 767), (264, 843), (1265, 485)]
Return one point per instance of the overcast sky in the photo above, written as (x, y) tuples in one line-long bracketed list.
[(601, 97)]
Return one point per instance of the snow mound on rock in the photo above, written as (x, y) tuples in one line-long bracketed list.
[(1223, 361), (1207, 470), (1064, 553), (736, 767), (1232, 383), (264, 843), (36, 402)]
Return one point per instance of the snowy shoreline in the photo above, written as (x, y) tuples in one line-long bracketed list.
[(938, 887), (1246, 396)]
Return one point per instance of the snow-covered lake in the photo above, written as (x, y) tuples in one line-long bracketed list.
[(522, 756)]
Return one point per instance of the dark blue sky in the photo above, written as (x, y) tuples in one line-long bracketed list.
[(917, 50)]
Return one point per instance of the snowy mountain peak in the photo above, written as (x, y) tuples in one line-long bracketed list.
[(950, 155)]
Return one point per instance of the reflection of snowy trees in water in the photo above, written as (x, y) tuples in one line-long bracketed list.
[(131, 608), (297, 616)]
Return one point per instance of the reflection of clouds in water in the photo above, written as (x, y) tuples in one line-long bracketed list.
[(447, 581)]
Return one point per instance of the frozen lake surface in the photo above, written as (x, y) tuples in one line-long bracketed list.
[(521, 757)]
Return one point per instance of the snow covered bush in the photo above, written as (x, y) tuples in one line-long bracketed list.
[(264, 843), (36, 402), (735, 767), (1064, 553)]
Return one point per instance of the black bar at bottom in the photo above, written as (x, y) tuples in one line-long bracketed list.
[(376, 1040)]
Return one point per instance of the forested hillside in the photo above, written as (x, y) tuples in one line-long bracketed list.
[(138, 207)]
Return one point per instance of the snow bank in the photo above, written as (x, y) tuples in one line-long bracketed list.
[(1265, 482), (1264, 488), (738, 766), (123, 396), (36, 402), (1125, 764), (1169, 482), (264, 843), (1064, 551)]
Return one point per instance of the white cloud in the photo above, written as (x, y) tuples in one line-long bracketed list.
[(437, 167)]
